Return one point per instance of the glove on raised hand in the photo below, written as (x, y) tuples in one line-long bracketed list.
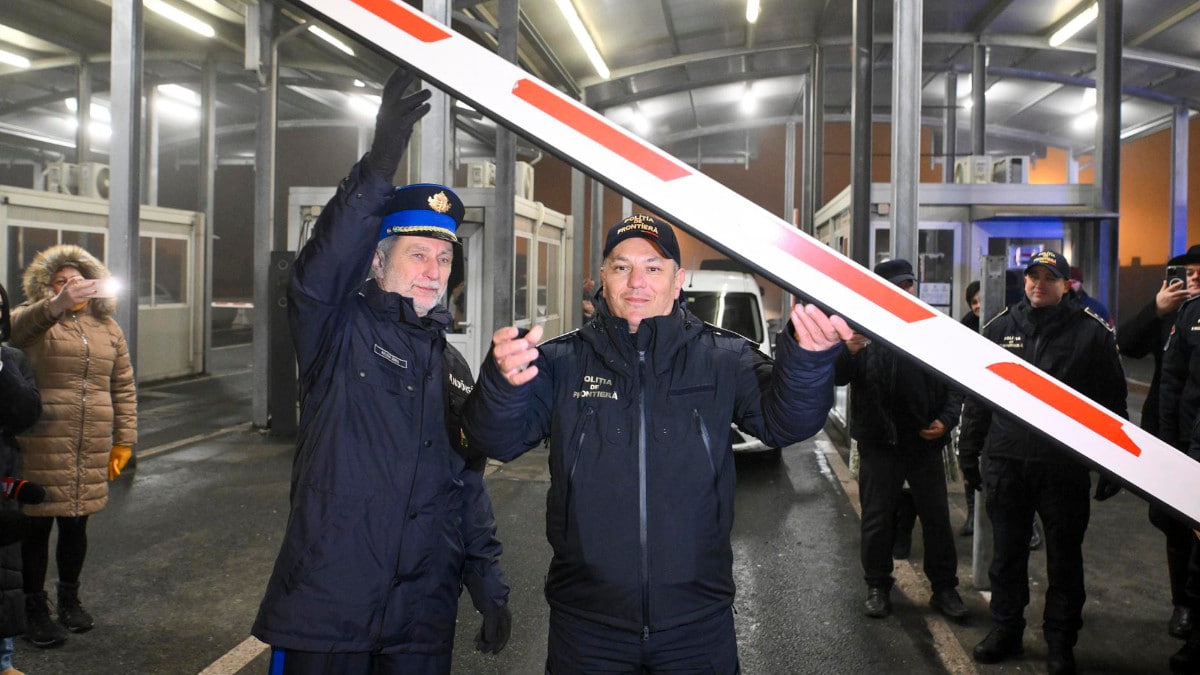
[(117, 459), (394, 123), (493, 634)]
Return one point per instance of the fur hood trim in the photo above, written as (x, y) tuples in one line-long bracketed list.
[(36, 282)]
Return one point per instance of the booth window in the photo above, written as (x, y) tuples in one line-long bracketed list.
[(163, 267), (25, 242)]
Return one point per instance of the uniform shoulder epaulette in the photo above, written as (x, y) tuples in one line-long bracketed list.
[(998, 315), (1097, 317), (1189, 300)]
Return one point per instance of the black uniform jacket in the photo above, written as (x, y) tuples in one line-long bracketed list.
[(1065, 341), (640, 505), (387, 519), (892, 398), (1179, 388)]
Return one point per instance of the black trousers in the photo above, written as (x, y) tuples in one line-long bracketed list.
[(1183, 558), (704, 647), (291, 662), (882, 471), (69, 554), (1014, 491)]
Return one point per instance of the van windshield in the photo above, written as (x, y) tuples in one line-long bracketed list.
[(733, 311)]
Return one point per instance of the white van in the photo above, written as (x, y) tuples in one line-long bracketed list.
[(733, 301)]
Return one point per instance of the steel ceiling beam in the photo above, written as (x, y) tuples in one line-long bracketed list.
[(1164, 24)]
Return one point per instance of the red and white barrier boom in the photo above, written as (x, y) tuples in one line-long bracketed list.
[(733, 224)]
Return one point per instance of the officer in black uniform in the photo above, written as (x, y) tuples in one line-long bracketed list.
[(1028, 473)]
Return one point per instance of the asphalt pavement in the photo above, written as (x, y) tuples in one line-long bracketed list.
[(178, 561)]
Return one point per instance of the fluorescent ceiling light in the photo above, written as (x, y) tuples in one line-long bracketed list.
[(97, 130), (584, 38), (752, 10), (359, 83), (326, 36), (366, 105), (749, 102), (1088, 102), (641, 125), (95, 111), (968, 103), (1085, 122), (176, 110), (1075, 25), (180, 17), (14, 59), (179, 93)]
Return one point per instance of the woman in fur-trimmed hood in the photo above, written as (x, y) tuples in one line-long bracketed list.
[(88, 424)]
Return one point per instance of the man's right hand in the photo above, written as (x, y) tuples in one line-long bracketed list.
[(972, 481), (394, 122), (514, 356), (1170, 297)]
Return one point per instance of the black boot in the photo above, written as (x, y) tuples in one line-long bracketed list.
[(70, 612), (968, 528), (40, 630), (1060, 658), (1000, 644), (1187, 659)]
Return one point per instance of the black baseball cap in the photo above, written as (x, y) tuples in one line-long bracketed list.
[(646, 227), (1055, 262), (1192, 257), (896, 271)]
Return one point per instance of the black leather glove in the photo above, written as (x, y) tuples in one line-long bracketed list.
[(394, 123), (493, 634), (972, 481), (1106, 487)]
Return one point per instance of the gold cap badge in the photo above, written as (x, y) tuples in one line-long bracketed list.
[(439, 202)]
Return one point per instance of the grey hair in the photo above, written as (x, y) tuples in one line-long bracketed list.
[(384, 249)]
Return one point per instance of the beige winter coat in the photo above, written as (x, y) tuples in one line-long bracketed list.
[(89, 401)]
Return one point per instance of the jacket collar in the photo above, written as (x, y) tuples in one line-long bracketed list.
[(659, 337), (400, 309)]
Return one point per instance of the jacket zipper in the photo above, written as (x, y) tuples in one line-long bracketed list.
[(712, 464), (643, 525), (587, 416), (87, 362)]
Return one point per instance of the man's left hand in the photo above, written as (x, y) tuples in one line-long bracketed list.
[(817, 332), (935, 430), (493, 634), (1106, 487)]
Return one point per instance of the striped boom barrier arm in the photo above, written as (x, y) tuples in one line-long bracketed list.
[(769, 245)]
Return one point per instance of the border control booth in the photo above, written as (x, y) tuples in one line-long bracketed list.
[(960, 224)]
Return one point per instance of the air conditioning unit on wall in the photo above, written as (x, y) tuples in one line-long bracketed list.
[(482, 173), (61, 178), (1011, 169), (973, 169), (93, 180)]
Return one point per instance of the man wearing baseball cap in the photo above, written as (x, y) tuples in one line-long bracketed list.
[(389, 517), (637, 406), (1027, 473)]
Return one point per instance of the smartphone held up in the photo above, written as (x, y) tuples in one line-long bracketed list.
[(1176, 273)]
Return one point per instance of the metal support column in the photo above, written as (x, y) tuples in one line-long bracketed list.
[(499, 240), (906, 126), (979, 57), (862, 66), (437, 127), (1179, 180), (83, 112), (599, 227), (264, 210), (814, 141), (578, 238), (1107, 160), (206, 190), (950, 127), (125, 197), (150, 153), (789, 176)]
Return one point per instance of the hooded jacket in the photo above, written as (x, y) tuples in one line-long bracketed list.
[(640, 505), (89, 399), (1065, 341), (20, 407), (388, 521)]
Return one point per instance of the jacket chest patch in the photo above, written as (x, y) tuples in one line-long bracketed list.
[(390, 357), (595, 386), (1015, 342)]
